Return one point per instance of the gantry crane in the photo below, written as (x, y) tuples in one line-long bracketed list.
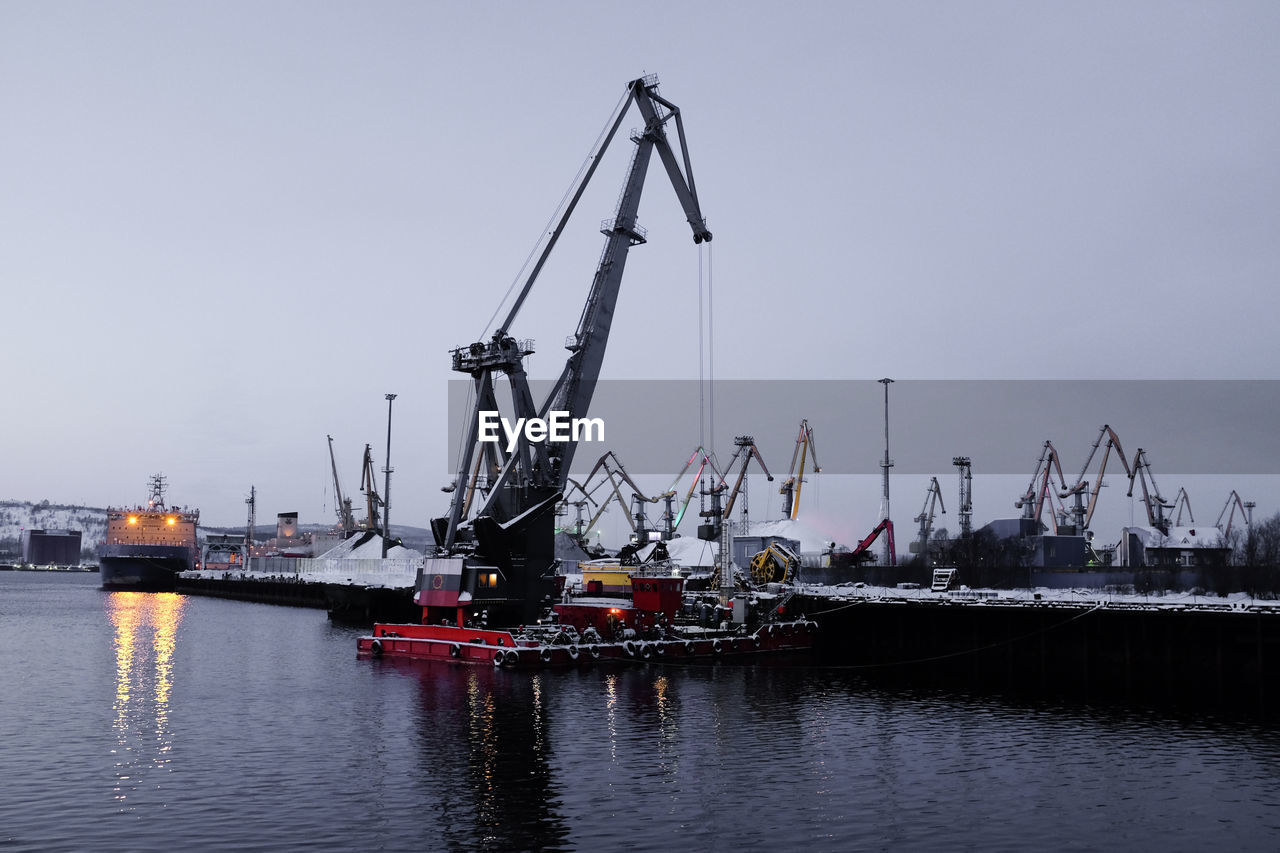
[(346, 519), (790, 489), (932, 497), (535, 473)]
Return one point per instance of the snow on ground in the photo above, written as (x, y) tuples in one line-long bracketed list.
[(1044, 596), (810, 539), (692, 553), (368, 547)]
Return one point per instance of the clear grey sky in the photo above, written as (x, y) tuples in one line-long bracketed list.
[(227, 229)]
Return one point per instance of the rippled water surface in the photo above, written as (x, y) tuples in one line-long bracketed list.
[(134, 721)]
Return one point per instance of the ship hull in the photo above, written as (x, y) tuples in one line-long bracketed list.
[(146, 568)]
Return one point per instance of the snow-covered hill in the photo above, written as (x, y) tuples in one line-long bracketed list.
[(17, 516)]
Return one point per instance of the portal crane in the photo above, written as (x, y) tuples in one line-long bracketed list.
[(368, 485), (1246, 512), (790, 489), (616, 476), (580, 527), (1151, 498), (1182, 500), (1084, 515), (746, 450), (346, 519), (704, 459), (1033, 500), (535, 472), (932, 497)]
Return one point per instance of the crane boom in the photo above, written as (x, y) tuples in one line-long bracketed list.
[(1033, 499), (537, 471), (1243, 506), (746, 449), (369, 485), (346, 521), (932, 498), (1081, 486), (1182, 500), (1151, 498), (790, 489), (886, 527)]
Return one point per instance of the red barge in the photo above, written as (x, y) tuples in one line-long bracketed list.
[(653, 621)]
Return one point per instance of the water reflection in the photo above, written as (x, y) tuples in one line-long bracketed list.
[(146, 631), (486, 746)]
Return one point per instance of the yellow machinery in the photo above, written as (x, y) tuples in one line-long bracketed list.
[(775, 564)]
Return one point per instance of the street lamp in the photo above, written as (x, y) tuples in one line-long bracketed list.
[(886, 465), (386, 487)]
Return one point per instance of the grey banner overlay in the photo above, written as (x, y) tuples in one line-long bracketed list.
[(1186, 427)]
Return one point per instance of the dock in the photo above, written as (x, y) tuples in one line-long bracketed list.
[(1175, 648)]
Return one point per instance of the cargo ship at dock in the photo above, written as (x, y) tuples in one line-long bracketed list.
[(147, 546)]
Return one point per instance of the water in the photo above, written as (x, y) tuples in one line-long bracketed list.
[(139, 722)]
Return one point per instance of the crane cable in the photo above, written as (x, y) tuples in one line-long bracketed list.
[(555, 214), (706, 355)]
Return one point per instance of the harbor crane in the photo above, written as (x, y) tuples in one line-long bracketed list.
[(1083, 515), (1182, 500), (369, 485), (790, 489), (1233, 503), (1033, 500), (747, 450), (535, 473), (1151, 498), (616, 476), (671, 518), (580, 529), (932, 497), (346, 519)]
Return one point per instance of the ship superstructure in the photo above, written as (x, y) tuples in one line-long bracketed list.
[(147, 546)]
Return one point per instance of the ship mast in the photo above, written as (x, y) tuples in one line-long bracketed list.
[(157, 486)]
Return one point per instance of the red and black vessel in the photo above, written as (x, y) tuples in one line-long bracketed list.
[(506, 606)]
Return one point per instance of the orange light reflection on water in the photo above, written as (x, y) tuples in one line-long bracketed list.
[(146, 635)]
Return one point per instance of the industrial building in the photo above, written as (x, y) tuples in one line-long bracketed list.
[(51, 547)]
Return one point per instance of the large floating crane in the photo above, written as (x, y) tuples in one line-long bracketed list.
[(535, 473)]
